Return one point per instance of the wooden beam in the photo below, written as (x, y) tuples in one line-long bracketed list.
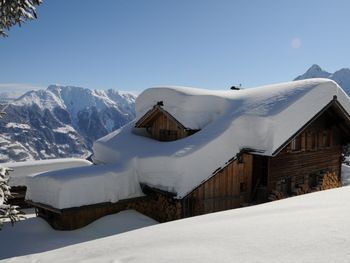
[(43, 206)]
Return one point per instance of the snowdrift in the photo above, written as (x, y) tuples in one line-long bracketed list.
[(308, 228)]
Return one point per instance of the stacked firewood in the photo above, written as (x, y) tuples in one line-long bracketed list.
[(276, 195), (157, 206), (326, 181), (301, 189)]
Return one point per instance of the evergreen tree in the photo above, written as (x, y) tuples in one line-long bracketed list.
[(6, 211), (13, 12)]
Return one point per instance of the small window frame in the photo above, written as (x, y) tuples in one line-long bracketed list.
[(295, 144)]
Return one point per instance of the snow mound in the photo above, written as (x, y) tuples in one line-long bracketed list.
[(35, 235), (307, 228), (23, 169)]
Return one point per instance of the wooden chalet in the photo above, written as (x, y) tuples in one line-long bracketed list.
[(309, 160)]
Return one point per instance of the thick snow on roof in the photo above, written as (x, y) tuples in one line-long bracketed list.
[(22, 169), (308, 228), (79, 186), (260, 118)]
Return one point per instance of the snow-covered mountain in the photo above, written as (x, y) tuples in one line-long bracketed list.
[(342, 76), (61, 122)]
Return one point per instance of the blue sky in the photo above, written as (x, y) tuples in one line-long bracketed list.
[(136, 44)]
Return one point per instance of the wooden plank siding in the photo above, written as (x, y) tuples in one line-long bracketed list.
[(320, 150), (227, 189), (301, 164), (165, 129), (154, 205)]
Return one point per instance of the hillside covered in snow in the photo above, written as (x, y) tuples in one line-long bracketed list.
[(308, 228), (61, 122)]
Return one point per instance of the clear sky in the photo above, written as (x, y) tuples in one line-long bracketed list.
[(136, 44)]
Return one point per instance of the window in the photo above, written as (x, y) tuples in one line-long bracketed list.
[(313, 143), (311, 140), (326, 139), (296, 144)]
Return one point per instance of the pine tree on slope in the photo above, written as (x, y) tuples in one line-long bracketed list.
[(6, 211)]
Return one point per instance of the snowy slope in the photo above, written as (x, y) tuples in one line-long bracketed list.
[(8, 96), (342, 76), (257, 118), (308, 228), (61, 122), (35, 235)]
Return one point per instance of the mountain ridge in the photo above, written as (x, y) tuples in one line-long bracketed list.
[(61, 121), (341, 76)]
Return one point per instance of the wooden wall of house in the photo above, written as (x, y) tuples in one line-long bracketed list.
[(229, 188), (154, 205), (166, 129), (319, 150)]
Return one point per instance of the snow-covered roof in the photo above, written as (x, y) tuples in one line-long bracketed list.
[(22, 169), (78, 186), (261, 118)]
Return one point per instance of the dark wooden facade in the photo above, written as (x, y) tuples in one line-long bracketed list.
[(155, 205), (315, 150), (228, 188), (162, 126)]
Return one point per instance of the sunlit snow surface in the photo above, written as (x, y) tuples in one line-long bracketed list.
[(309, 228), (22, 169), (260, 118), (34, 235)]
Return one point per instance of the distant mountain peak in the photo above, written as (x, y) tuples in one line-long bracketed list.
[(341, 76), (315, 71), (342, 71), (314, 68)]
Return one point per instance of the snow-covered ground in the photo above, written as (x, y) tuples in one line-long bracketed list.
[(309, 228), (34, 235)]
